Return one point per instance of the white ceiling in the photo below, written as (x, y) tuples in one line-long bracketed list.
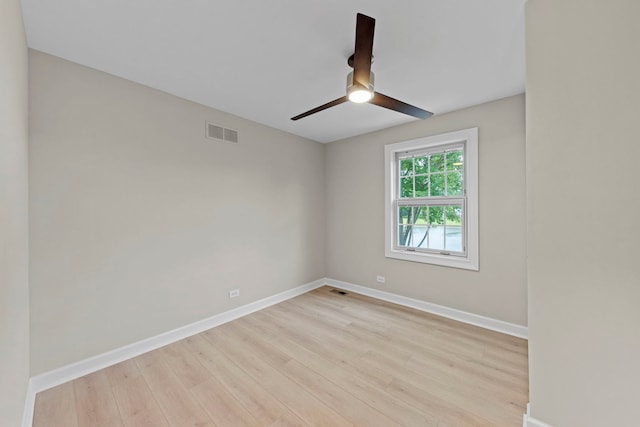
[(270, 60)]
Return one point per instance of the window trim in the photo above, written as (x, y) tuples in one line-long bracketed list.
[(469, 137)]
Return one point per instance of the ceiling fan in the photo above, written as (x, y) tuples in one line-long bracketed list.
[(360, 81)]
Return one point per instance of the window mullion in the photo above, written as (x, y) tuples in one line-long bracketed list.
[(413, 178), (444, 174), (444, 225)]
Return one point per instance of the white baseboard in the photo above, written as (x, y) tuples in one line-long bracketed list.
[(451, 313), (75, 370), (29, 405), (529, 421)]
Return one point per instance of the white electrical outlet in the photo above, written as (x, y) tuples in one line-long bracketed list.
[(234, 293), (380, 279)]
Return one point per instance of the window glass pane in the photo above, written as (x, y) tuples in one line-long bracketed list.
[(420, 214), (454, 184), (420, 236), (407, 214), (422, 186), (454, 160), (406, 167), (405, 235), (437, 184), (453, 215), (406, 187), (436, 237), (436, 231), (437, 162), (413, 236), (436, 214), (453, 237), (403, 214), (421, 164)]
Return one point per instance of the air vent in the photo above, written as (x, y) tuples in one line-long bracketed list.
[(221, 134), (230, 135)]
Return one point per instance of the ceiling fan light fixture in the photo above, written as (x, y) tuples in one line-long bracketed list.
[(358, 93)]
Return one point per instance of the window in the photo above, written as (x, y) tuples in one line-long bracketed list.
[(432, 200)]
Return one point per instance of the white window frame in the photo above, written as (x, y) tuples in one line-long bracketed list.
[(470, 258)]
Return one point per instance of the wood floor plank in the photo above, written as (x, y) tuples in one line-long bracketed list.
[(288, 419), (177, 405), (305, 350), (334, 396), (301, 402), (318, 359), (57, 406), (184, 365), (328, 392), (338, 350), (260, 403), (133, 397), (467, 357), (398, 316), (433, 404), (95, 403), (146, 418), (221, 406), (122, 372), (449, 395)]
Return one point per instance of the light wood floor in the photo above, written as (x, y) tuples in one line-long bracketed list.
[(321, 359)]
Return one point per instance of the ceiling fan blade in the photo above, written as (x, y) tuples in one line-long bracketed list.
[(363, 52), (399, 106), (320, 108)]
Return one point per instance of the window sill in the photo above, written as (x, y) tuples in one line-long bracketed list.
[(465, 263)]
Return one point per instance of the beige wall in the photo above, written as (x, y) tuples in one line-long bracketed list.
[(355, 215), (583, 102), (140, 225), (14, 261)]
